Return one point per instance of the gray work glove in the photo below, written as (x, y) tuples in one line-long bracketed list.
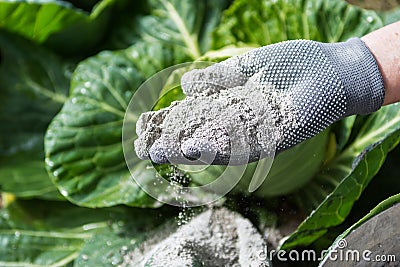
[(325, 82)]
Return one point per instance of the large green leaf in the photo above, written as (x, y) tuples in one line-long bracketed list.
[(265, 22), (83, 143), (187, 24), (33, 87), (45, 233), (56, 23), (38, 233), (349, 172)]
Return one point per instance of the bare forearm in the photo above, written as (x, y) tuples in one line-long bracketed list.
[(385, 46)]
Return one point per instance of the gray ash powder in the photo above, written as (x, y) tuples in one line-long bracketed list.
[(216, 237), (235, 125)]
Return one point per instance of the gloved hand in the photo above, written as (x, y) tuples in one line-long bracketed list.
[(322, 83)]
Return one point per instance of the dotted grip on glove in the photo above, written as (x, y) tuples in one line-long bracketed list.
[(327, 81)]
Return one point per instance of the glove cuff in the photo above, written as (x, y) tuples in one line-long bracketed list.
[(359, 73)]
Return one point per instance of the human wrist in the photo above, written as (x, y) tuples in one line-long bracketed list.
[(384, 44)]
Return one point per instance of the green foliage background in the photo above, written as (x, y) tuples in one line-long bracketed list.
[(67, 73)]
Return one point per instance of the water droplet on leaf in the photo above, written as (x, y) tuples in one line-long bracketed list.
[(49, 162), (64, 192)]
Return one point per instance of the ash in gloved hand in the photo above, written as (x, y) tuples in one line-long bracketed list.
[(271, 98), (232, 126)]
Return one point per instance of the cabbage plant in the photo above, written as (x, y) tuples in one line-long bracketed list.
[(67, 73)]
